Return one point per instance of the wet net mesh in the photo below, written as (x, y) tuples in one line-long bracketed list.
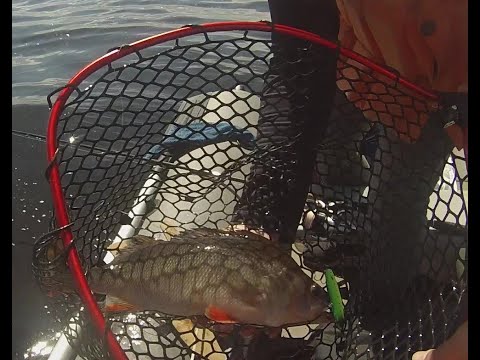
[(194, 133)]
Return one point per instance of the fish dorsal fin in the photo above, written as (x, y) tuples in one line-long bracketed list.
[(141, 240), (129, 246), (252, 234)]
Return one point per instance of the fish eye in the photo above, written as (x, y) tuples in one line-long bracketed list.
[(317, 290)]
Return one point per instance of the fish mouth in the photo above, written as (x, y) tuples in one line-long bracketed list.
[(323, 315), (317, 313), (324, 318)]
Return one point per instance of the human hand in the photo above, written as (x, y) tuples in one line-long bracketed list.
[(455, 348)]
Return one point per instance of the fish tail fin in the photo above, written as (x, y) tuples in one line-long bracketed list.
[(51, 268), (63, 282)]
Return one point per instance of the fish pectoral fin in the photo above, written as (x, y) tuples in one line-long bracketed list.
[(219, 315), (117, 305)]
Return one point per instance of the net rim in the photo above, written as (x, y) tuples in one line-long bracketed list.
[(53, 175)]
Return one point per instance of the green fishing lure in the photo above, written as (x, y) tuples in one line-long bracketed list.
[(335, 297)]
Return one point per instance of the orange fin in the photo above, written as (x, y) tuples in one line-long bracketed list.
[(116, 305), (218, 315)]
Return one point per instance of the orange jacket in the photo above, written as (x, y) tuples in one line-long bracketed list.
[(424, 40)]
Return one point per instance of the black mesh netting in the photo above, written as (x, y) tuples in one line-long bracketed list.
[(216, 129)]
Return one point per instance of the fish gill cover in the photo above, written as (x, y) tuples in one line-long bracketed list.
[(177, 141)]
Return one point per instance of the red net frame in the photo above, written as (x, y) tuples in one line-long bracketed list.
[(61, 213)]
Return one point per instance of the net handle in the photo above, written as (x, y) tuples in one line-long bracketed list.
[(58, 197)]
